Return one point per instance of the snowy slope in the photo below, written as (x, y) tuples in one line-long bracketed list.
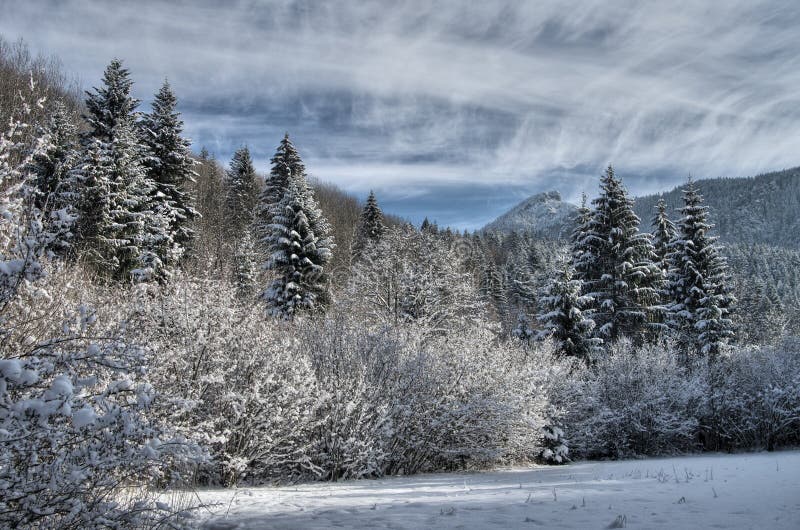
[(711, 491), (544, 214)]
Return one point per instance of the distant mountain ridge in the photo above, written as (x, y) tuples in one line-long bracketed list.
[(764, 209), (544, 214)]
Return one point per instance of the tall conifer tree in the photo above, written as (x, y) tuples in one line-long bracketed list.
[(169, 165), (299, 246), (699, 286), (663, 233), (616, 265), (562, 319), (285, 162), (120, 228)]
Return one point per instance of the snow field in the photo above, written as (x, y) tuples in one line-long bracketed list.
[(711, 491)]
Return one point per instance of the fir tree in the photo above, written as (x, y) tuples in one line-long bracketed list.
[(120, 229), (300, 247), (113, 205), (111, 104), (698, 284), (285, 163), (615, 262), (370, 227), (242, 193), (169, 165), (54, 189), (562, 319), (663, 234)]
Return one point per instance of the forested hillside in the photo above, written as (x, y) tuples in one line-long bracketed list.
[(758, 210)]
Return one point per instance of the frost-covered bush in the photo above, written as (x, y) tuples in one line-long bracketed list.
[(399, 401), (239, 388), (756, 397), (633, 402), (644, 401), (22, 236), (79, 443)]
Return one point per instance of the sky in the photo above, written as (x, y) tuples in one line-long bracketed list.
[(457, 110)]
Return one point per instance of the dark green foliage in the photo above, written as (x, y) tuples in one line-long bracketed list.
[(299, 247), (120, 230), (663, 234), (285, 163)]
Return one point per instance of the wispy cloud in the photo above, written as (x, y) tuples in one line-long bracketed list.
[(425, 101)]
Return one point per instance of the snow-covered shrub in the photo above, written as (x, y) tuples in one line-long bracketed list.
[(756, 397), (22, 237), (465, 400), (239, 387), (634, 401), (78, 439), (380, 403)]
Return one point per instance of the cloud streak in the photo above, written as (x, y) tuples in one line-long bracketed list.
[(425, 100)]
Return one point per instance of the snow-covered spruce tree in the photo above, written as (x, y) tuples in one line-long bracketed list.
[(370, 227), (555, 449), (299, 246), (616, 264), (523, 330), (562, 319), (52, 180), (663, 233), (114, 207), (285, 163), (121, 231), (169, 164), (242, 193), (520, 271), (699, 286)]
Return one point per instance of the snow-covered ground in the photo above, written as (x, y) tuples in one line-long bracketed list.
[(715, 491)]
